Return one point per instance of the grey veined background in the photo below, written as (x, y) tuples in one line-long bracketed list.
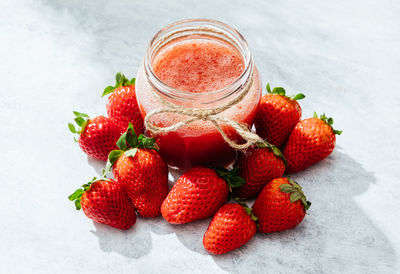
[(57, 55)]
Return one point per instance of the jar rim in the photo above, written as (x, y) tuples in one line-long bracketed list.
[(230, 34)]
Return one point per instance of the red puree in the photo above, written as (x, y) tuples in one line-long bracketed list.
[(198, 65)]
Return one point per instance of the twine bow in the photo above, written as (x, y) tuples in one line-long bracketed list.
[(211, 115)]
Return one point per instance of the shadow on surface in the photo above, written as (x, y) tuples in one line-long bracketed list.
[(97, 165), (190, 235), (335, 237), (132, 243)]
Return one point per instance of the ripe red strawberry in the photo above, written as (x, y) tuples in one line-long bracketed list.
[(277, 115), (97, 136), (231, 227), (141, 170), (104, 201), (311, 140), (281, 205), (198, 194), (122, 105), (258, 166)]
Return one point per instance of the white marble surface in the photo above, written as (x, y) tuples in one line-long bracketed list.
[(58, 55)]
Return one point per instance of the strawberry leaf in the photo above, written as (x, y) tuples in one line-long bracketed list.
[(281, 91), (78, 205), (328, 121), (286, 188), (121, 143), (293, 183), (296, 193), (132, 140), (118, 78), (131, 137), (71, 127), (125, 81), (120, 81), (230, 176), (269, 88), (146, 142), (253, 217), (249, 211), (80, 114), (298, 96), (81, 121), (277, 152), (130, 152), (77, 195), (295, 196), (236, 181), (303, 200), (338, 132), (113, 156), (108, 90)]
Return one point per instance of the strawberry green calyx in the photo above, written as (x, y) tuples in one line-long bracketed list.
[(281, 91), (81, 119), (296, 193), (120, 81), (77, 195), (129, 138), (230, 176), (277, 152), (329, 121), (248, 210), (128, 145)]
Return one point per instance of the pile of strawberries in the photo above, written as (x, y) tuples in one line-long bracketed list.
[(141, 175)]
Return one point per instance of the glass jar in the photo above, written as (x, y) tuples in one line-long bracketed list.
[(199, 142)]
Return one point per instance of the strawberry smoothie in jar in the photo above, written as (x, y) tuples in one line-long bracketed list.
[(198, 65)]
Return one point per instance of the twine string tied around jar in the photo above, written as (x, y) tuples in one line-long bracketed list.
[(209, 114)]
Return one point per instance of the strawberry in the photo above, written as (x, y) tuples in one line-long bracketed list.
[(312, 140), (230, 228), (258, 166), (141, 170), (277, 115), (105, 202), (281, 205), (198, 194), (97, 136), (122, 105)]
